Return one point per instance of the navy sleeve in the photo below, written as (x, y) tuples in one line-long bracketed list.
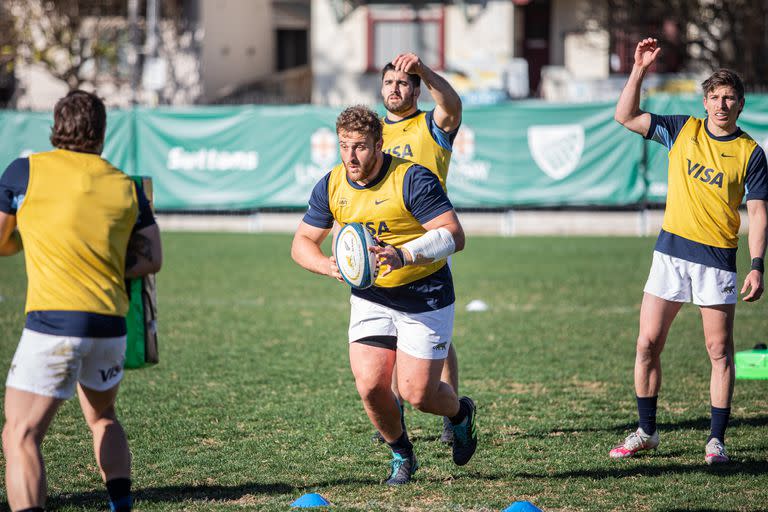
[(423, 195), (444, 139), (146, 218), (319, 212), (757, 175), (13, 185), (664, 129)]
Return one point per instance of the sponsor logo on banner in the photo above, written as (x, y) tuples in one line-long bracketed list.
[(324, 152), (657, 188), (556, 149), (180, 159), (464, 167), (324, 147)]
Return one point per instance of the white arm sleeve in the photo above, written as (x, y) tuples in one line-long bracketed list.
[(433, 245)]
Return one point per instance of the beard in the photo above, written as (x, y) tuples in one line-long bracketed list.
[(362, 172), (398, 105)]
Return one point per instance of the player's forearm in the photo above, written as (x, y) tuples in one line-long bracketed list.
[(758, 223), (435, 244), (144, 255), (308, 255), (628, 106), (12, 245), (141, 267), (444, 95)]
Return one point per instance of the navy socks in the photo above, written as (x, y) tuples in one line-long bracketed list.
[(646, 411)]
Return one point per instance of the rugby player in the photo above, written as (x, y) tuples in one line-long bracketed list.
[(408, 314), (425, 138), (76, 215), (713, 166)]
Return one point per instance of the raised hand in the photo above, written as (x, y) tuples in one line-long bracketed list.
[(409, 63), (646, 52)]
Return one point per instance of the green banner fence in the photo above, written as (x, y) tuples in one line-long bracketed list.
[(519, 154)]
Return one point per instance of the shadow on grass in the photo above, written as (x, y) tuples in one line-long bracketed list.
[(97, 500), (752, 468), (701, 423)]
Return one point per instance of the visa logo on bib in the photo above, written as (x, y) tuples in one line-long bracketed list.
[(556, 149)]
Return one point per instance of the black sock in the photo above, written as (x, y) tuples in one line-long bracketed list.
[(646, 411), (119, 490), (402, 414), (402, 446), (463, 412), (32, 509), (720, 417)]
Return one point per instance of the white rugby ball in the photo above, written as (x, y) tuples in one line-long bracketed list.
[(356, 263)]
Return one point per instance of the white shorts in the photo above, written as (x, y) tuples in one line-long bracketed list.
[(679, 280), (423, 335), (50, 365)]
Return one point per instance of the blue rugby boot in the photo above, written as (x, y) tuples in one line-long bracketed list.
[(465, 434), (403, 469)]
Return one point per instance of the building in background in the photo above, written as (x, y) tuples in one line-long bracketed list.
[(186, 51), (329, 52), (490, 50)]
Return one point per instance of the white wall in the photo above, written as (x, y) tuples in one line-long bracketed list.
[(480, 47), (487, 37), (238, 43), (338, 57)]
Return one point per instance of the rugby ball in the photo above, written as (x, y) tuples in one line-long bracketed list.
[(356, 263)]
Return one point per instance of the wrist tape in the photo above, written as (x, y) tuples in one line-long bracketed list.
[(433, 245), (758, 264)]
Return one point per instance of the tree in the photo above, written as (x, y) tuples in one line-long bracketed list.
[(85, 44), (7, 56), (66, 40), (697, 35)]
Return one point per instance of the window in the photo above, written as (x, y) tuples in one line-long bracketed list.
[(399, 29), (291, 48), (624, 42)]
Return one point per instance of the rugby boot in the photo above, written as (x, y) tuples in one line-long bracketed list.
[(465, 434), (635, 442), (716, 453), (403, 469)]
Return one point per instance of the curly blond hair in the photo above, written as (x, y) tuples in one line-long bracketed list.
[(359, 119)]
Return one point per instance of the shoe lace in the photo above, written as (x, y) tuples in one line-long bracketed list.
[(634, 440), (397, 463), (716, 448)]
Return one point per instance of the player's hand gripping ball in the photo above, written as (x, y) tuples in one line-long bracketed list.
[(357, 265)]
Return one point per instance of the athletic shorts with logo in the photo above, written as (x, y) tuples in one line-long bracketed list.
[(422, 335), (51, 365), (678, 280)]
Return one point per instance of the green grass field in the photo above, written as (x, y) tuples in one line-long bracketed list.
[(253, 403)]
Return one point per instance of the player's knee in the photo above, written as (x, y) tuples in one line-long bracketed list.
[(107, 419), (419, 398), (20, 434), (371, 389), (718, 352), (649, 346)]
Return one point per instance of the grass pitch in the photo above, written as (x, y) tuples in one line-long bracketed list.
[(253, 403)]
